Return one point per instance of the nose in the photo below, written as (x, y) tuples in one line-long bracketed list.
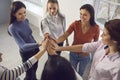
[(52, 10), (81, 16)]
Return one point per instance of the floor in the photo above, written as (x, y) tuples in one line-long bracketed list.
[(11, 57)]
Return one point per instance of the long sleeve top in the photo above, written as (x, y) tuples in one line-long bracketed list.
[(12, 74), (104, 66), (54, 25), (22, 33)]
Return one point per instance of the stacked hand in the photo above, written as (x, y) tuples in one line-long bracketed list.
[(50, 45)]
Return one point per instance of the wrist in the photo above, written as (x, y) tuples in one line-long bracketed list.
[(39, 44)]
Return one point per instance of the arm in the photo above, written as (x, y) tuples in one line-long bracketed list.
[(87, 47), (73, 48), (66, 34), (21, 42), (12, 74), (45, 27), (115, 73), (63, 37)]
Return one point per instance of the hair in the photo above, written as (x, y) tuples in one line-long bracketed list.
[(113, 27), (58, 68), (52, 1), (14, 8), (90, 9), (1, 53)]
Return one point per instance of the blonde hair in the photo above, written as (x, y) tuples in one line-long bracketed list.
[(52, 1)]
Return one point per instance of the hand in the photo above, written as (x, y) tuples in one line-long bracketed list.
[(54, 40), (44, 43), (46, 35), (54, 45), (50, 50)]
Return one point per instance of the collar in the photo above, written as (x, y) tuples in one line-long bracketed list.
[(52, 15), (113, 56)]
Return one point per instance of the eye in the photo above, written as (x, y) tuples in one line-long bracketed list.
[(49, 8), (24, 12), (19, 13), (54, 8), (80, 13)]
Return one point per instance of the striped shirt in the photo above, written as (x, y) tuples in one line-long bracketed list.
[(12, 74)]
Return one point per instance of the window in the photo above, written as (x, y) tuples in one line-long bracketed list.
[(107, 10), (37, 2)]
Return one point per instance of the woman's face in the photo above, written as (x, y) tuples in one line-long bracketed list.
[(84, 16), (20, 14), (106, 37), (52, 8), (0, 57)]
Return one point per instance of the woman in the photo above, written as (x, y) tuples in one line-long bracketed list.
[(58, 68), (54, 23), (106, 60), (85, 30), (12, 74), (20, 30)]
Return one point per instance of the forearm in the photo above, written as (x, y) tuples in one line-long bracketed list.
[(40, 53), (62, 38), (12, 74), (74, 48)]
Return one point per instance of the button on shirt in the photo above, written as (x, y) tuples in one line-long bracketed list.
[(104, 67)]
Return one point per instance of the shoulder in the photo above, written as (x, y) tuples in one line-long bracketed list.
[(44, 20), (26, 20), (76, 22), (96, 27), (2, 69), (61, 15), (11, 27)]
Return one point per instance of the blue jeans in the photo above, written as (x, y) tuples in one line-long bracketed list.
[(79, 61)]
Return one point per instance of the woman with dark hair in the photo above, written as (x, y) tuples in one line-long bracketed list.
[(85, 30), (58, 68), (20, 30), (106, 59)]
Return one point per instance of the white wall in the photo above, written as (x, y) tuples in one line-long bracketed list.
[(4, 11)]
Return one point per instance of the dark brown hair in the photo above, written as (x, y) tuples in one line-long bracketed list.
[(90, 9), (14, 8), (113, 27), (58, 68)]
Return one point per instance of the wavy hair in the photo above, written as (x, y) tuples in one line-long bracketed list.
[(90, 9)]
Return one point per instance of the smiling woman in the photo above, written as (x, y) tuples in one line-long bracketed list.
[(34, 11)]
